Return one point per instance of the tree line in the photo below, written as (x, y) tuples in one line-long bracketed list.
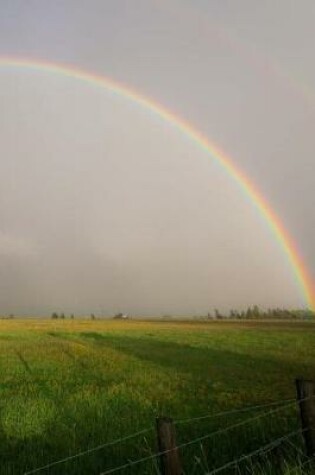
[(254, 312)]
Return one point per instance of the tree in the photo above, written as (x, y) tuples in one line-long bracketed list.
[(217, 314), (54, 315), (256, 311), (249, 313)]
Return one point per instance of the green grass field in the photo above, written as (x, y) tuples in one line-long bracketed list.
[(67, 386)]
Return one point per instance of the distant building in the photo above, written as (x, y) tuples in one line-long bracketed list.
[(121, 316)]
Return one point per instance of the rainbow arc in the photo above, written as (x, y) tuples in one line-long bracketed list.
[(289, 247)]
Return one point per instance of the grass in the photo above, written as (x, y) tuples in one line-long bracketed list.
[(67, 386)]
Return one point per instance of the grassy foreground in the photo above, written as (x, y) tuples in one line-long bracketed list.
[(67, 386)]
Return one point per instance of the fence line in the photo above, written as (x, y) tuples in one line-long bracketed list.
[(286, 404), (234, 411), (263, 449), (88, 451), (307, 462), (300, 451), (194, 441)]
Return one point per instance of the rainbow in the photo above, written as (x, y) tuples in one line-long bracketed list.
[(286, 243)]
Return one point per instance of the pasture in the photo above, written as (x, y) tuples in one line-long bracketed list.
[(72, 385)]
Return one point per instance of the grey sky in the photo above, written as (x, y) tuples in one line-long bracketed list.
[(104, 207)]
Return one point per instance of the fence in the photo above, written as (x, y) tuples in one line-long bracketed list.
[(168, 458)]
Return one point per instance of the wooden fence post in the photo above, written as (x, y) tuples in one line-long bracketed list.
[(170, 461), (306, 399)]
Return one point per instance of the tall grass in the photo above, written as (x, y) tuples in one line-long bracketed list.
[(67, 386)]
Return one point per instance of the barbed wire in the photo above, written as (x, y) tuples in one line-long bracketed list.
[(235, 411), (285, 404), (194, 441), (298, 449), (308, 461), (88, 451), (263, 449)]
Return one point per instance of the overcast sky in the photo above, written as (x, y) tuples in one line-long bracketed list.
[(105, 207)]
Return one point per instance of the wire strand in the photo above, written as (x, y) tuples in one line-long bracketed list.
[(194, 441), (234, 411), (298, 449), (308, 461), (144, 431), (88, 451), (263, 449)]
